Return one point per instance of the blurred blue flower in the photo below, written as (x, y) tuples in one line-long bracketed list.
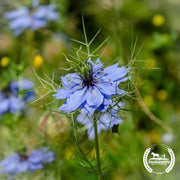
[(105, 120), (24, 84), (92, 88), (31, 18), (19, 92), (16, 104), (18, 163)]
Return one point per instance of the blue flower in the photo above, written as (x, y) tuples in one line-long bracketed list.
[(92, 88), (105, 120), (18, 163), (33, 18), (14, 102), (24, 84)]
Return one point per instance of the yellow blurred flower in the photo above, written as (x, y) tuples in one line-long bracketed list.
[(38, 61), (148, 100), (4, 61), (162, 94), (158, 20)]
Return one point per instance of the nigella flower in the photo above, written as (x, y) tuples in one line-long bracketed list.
[(92, 88), (31, 18), (19, 93), (23, 85), (20, 163), (105, 120)]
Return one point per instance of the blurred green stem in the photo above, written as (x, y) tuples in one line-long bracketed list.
[(29, 40), (97, 150), (116, 31)]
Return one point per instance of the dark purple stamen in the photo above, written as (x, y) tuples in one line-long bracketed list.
[(88, 79)]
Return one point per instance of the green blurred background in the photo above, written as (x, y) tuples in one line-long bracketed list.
[(151, 30)]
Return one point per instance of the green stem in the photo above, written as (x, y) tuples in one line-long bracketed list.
[(84, 156), (97, 151)]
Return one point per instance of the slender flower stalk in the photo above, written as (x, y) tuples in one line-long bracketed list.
[(97, 150)]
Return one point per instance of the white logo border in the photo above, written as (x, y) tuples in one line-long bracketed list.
[(149, 169)]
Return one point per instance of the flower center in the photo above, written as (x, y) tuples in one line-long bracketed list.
[(23, 157), (87, 78)]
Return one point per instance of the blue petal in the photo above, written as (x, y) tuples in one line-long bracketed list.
[(84, 119), (2, 95), (18, 32), (9, 165), (16, 105), (107, 101), (105, 119), (101, 127), (102, 108), (37, 23), (29, 96), (35, 157), (120, 91), (117, 107), (110, 69), (112, 73), (90, 62), (90, 109), (23, 166), (65, 93), (52, 14), (70, 80), (116, 121), (119, 73), (49, 157), (83, 109), (91, 134), (4, 106), (24, 84), (33, 167), (97, 65), (122, 80), (74, 101), (46, 11), (62, 93), (94, 97), (106, 88), (21, 23), (17, 13), (35, 3)]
